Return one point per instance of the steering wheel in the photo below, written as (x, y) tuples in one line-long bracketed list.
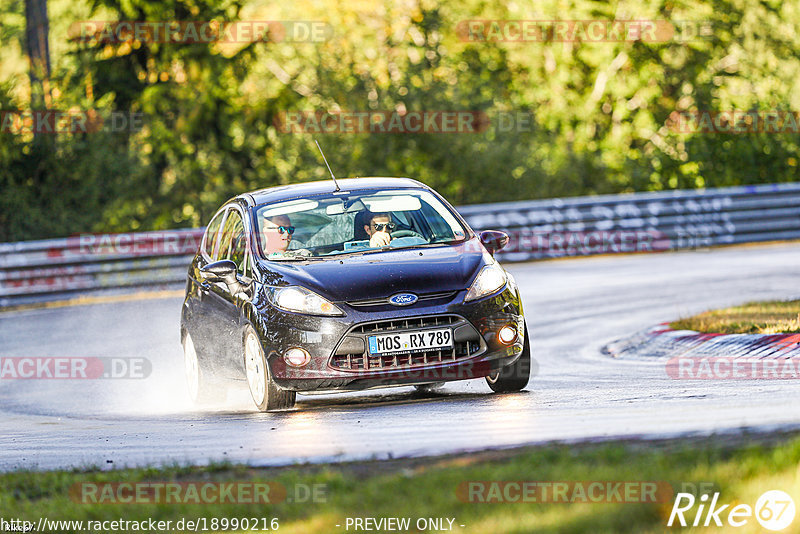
[(406, 233)]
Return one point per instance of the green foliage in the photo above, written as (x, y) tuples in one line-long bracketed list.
[(771, 317), (600, 110), (740, 468)]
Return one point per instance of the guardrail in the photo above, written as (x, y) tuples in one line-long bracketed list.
[(52, 269), (642, 222), (36, 271)]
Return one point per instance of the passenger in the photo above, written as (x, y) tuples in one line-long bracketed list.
[(379, 227)]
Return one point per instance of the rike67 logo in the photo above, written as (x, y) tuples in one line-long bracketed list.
[(774, 510)]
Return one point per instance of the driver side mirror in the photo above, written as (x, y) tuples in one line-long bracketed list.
[(494, 240), (226, 271), (220, 271)]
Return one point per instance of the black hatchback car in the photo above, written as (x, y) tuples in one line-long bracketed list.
[(366, 283)]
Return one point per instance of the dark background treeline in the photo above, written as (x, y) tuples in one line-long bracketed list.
[(599, 110)]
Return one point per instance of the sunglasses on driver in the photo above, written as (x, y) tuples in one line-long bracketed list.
[(282, 229), (380, 227)]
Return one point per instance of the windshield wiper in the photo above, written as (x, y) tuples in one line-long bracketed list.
[(297, 258), (409, 247), (406, 247), (374, 250)]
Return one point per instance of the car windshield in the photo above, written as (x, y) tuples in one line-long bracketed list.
[(339, 223)]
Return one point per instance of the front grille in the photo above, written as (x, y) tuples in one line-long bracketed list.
[(366, 362), (411, 323), (467, 347), (420, 298)]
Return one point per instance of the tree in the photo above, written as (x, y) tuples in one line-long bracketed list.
[(37, 30)]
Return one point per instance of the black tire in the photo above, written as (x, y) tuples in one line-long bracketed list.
[(513, 377), (203, 389), (266, 394)]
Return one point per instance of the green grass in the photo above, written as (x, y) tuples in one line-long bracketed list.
[(753, 318), (740, 468)]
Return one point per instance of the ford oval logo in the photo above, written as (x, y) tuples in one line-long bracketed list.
[(403, 299)]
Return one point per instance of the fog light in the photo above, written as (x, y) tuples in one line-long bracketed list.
[(507, 335), (297, 357)]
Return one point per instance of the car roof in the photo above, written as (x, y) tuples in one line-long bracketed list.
[(288, 192)]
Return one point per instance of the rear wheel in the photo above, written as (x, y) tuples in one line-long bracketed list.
[(266, 394), (513, 377), (202, 389)]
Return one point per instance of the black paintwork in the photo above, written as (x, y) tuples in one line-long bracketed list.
[(217, 312)]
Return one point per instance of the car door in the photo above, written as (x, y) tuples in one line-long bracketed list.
[(226, 302), (200, 313)]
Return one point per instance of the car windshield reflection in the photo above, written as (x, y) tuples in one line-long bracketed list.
[(327, 226)]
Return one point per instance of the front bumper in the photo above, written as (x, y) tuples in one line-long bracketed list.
[(477, 323)]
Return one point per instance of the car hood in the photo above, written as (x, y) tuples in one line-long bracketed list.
[(381, 274)]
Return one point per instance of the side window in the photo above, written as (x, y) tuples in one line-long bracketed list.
[(210, 238), (233, 244), (239, 252)]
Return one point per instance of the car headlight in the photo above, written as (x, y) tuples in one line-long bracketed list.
[(301, 300), (490, 279)]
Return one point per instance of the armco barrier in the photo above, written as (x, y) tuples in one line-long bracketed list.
[(643, 221), (51, 269)]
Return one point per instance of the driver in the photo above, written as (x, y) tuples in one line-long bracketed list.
[(379, 227), (278, 232)]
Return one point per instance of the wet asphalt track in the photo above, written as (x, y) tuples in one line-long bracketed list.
[(573, 307)]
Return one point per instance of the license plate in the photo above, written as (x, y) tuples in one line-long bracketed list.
[(441, 338)]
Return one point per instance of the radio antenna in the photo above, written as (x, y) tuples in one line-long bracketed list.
[(326, 164)]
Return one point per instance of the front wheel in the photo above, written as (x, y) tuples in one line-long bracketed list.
[(266, 394), (513, 377)]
